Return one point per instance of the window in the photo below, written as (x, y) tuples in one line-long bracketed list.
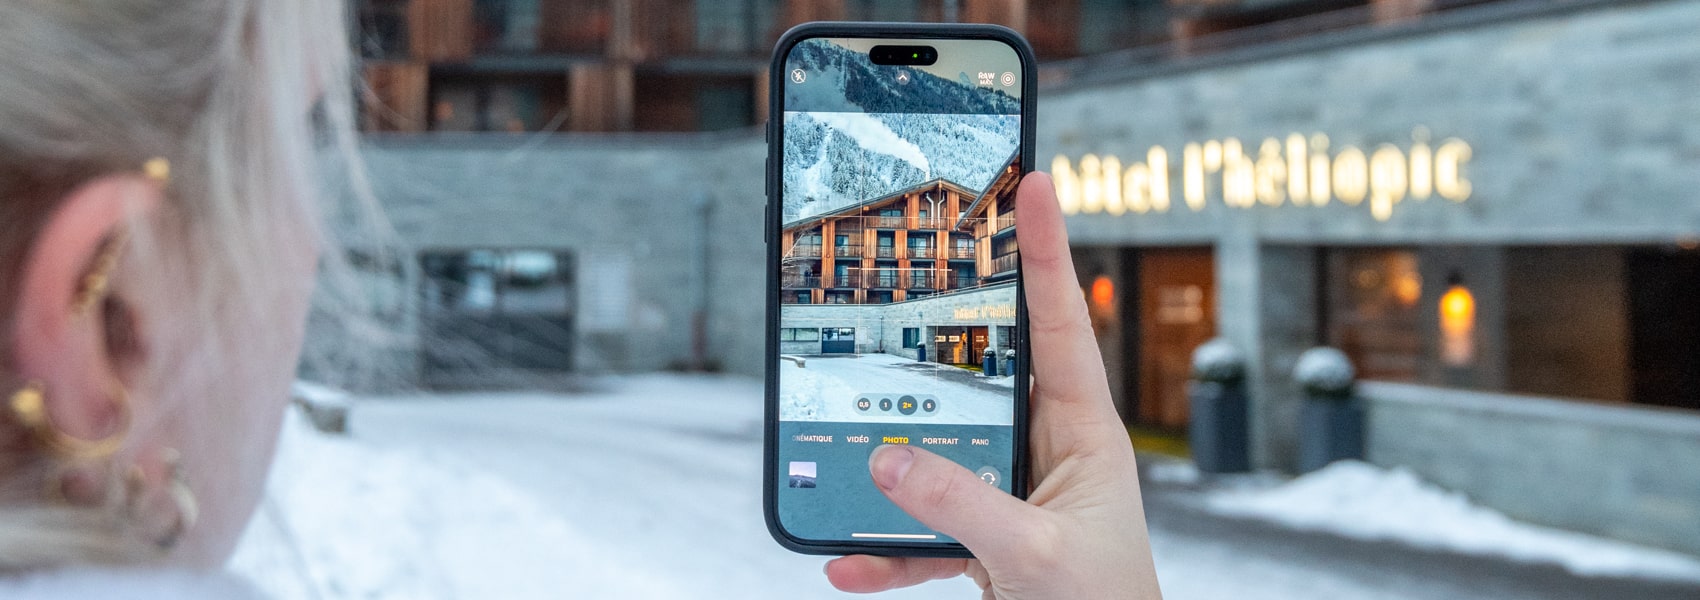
[(799, 334), (506, 26), (498, 281), (733, 27), (496, 103), (802, 298), (911, 337), (383, 29)]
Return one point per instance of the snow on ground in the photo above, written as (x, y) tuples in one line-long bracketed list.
[(648, 489), (345, 520), (826, 388), (1362, 501)]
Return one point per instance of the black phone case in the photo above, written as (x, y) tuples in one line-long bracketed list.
[(776, 110)]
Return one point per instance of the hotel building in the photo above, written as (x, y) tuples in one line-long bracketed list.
[(873, 262)]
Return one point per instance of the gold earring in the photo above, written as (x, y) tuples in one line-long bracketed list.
[(157, 169), (29, 408), (98, 283)]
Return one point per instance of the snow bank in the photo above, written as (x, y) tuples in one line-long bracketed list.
[(1362, 501), (343, 520)]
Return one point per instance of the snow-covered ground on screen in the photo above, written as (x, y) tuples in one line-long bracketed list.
[(1363, 501), (834, 160), (826, 388)]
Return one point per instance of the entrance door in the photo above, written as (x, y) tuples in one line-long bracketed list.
[(949, 341), (1177, 313), (838, 340)]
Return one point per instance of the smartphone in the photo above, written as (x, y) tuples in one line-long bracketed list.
[(894, 300)]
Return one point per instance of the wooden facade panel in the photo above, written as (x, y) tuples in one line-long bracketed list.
[(394, 98), (1008, 13), (440, 30), (599, 97)]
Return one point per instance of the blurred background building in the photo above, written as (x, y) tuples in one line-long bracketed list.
[(1490, 206)]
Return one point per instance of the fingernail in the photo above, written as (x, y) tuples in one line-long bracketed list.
[(889, 464)]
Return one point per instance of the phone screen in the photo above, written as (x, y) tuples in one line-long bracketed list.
[(897, 274)]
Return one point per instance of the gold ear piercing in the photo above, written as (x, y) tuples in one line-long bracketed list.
[(98, 282), (29, 408), (157, 169)]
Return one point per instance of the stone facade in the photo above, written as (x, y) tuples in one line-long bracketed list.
[(879, 327)]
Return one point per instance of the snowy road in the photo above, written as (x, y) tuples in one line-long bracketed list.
[(651, 489), (826, 388)]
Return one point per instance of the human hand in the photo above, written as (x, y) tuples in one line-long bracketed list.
[(1081, 533)]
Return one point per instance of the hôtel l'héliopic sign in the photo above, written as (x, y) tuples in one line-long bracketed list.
[(1300, 171)]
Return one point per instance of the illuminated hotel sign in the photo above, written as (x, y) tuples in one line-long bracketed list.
[(981, 313), (1300, 172)]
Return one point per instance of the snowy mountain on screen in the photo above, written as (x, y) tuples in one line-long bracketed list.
[(834, 160), (853, 134)]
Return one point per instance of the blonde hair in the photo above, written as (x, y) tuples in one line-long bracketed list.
[(239, 95)]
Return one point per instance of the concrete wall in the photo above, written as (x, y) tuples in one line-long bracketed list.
[(879, 328), (1626, 473), (631, 208)]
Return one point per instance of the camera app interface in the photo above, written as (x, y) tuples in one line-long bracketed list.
[(897, 273)]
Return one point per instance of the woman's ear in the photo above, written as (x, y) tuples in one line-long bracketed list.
[(61, 329)]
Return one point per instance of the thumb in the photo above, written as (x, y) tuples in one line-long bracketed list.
[(954, 501)]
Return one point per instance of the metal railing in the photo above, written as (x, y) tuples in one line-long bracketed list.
[(805, 251), (921, 252), (931, 223), (962, 253), (881, 279), (883, 222), (852, 251), (1005, 263), (1005, 221), (922, 280), (885, 252)]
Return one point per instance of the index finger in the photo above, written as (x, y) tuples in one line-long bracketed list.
[(1066, 362)]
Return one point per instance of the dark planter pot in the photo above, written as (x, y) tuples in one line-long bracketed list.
[(1331, 429), (1219, 431)]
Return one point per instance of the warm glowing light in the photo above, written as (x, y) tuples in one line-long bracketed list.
[(1457, 326), (1103, 292)]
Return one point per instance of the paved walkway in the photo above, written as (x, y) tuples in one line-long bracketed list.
[(1386, 569)]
